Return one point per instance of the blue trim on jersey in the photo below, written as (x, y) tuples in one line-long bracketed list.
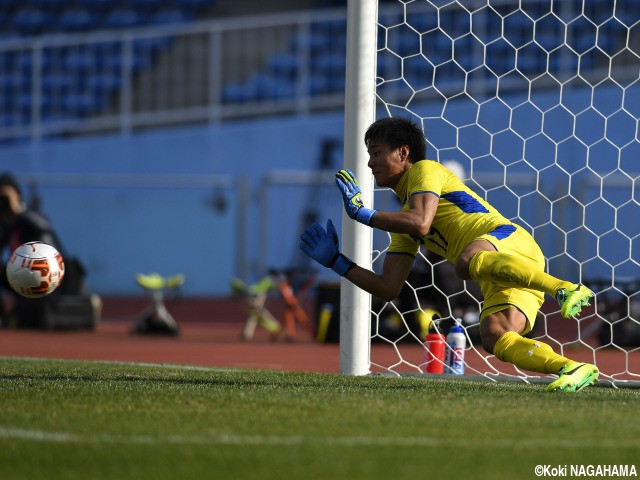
[(465, 202), (503, 231)]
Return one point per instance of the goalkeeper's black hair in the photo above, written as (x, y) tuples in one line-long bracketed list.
[(397, 132)]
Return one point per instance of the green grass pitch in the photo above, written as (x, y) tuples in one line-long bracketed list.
[(91, 420)]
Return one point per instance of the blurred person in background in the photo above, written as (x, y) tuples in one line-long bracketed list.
[(19, 224)]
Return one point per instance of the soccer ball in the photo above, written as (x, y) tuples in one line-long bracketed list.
[(35, 269)]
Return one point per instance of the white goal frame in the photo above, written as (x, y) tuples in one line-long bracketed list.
[(360, 111), (357, 241)]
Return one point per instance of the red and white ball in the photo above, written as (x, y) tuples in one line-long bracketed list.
[(35, 269)]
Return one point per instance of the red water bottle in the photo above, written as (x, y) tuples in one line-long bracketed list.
[(434, 352)]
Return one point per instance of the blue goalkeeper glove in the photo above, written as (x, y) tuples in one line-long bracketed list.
[(323, 246), (352, 197)]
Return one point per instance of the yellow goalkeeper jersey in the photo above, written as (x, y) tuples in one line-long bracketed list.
[(462, 216)]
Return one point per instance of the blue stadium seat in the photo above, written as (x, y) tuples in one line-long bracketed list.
[(78, 19), (11, 88), (48, 103), (80, 61), (58, 82), (235, 92), (7, 60), (49, 5), (148, 5), (56, 115), (6, 121), (9, 81), (141, 59), (170, 16), (24, 61), (23, 103), (29, 21), (103, 5), (13, 120), (285, 90), (6, 101), (330, 63), (285, 64), (82, 103), (195, 4), (146, 47), (104, 83), (104, 51), (77, 81), (123, 18), (263, 85)]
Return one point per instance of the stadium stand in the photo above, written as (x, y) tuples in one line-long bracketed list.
[(77, 80), (83, 79)]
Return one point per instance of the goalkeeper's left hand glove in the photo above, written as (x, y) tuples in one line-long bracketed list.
[(352, 197), (322, 245)]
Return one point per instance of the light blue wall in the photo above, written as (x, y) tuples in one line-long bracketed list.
[(118, 231)]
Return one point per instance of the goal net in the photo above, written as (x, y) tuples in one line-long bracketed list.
[(535, 104)]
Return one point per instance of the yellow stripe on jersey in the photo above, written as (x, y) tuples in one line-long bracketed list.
[(462, 215)]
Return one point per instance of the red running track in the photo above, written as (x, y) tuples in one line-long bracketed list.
[(211, 336)]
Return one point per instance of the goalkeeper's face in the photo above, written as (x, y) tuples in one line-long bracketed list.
[(386, 163)]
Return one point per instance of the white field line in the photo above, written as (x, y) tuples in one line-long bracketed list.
[(171, 366), (306, 440)]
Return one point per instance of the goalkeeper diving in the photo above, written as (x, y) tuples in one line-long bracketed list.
[(442, 214)]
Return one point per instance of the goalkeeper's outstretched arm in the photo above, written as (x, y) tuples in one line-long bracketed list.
[(322, 245), (388, 284)]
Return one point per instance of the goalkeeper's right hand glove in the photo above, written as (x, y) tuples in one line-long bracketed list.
[(352, 197), (322, 245)]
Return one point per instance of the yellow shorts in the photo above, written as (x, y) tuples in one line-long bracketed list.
[(497, 297)]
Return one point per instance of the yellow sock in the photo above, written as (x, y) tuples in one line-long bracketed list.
[(527, 354), (511, 271)]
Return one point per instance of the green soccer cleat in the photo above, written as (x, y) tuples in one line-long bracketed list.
[(573, 377), (571, 302)]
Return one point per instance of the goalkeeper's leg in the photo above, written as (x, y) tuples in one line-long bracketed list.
[(511, 271), (500, 337), (500, 332), (519, 264)]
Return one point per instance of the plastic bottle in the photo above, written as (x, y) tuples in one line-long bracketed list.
[(454, 356), (434, 353)]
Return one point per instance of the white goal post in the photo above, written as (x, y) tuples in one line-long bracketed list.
[(537, 106), (360, 110)]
